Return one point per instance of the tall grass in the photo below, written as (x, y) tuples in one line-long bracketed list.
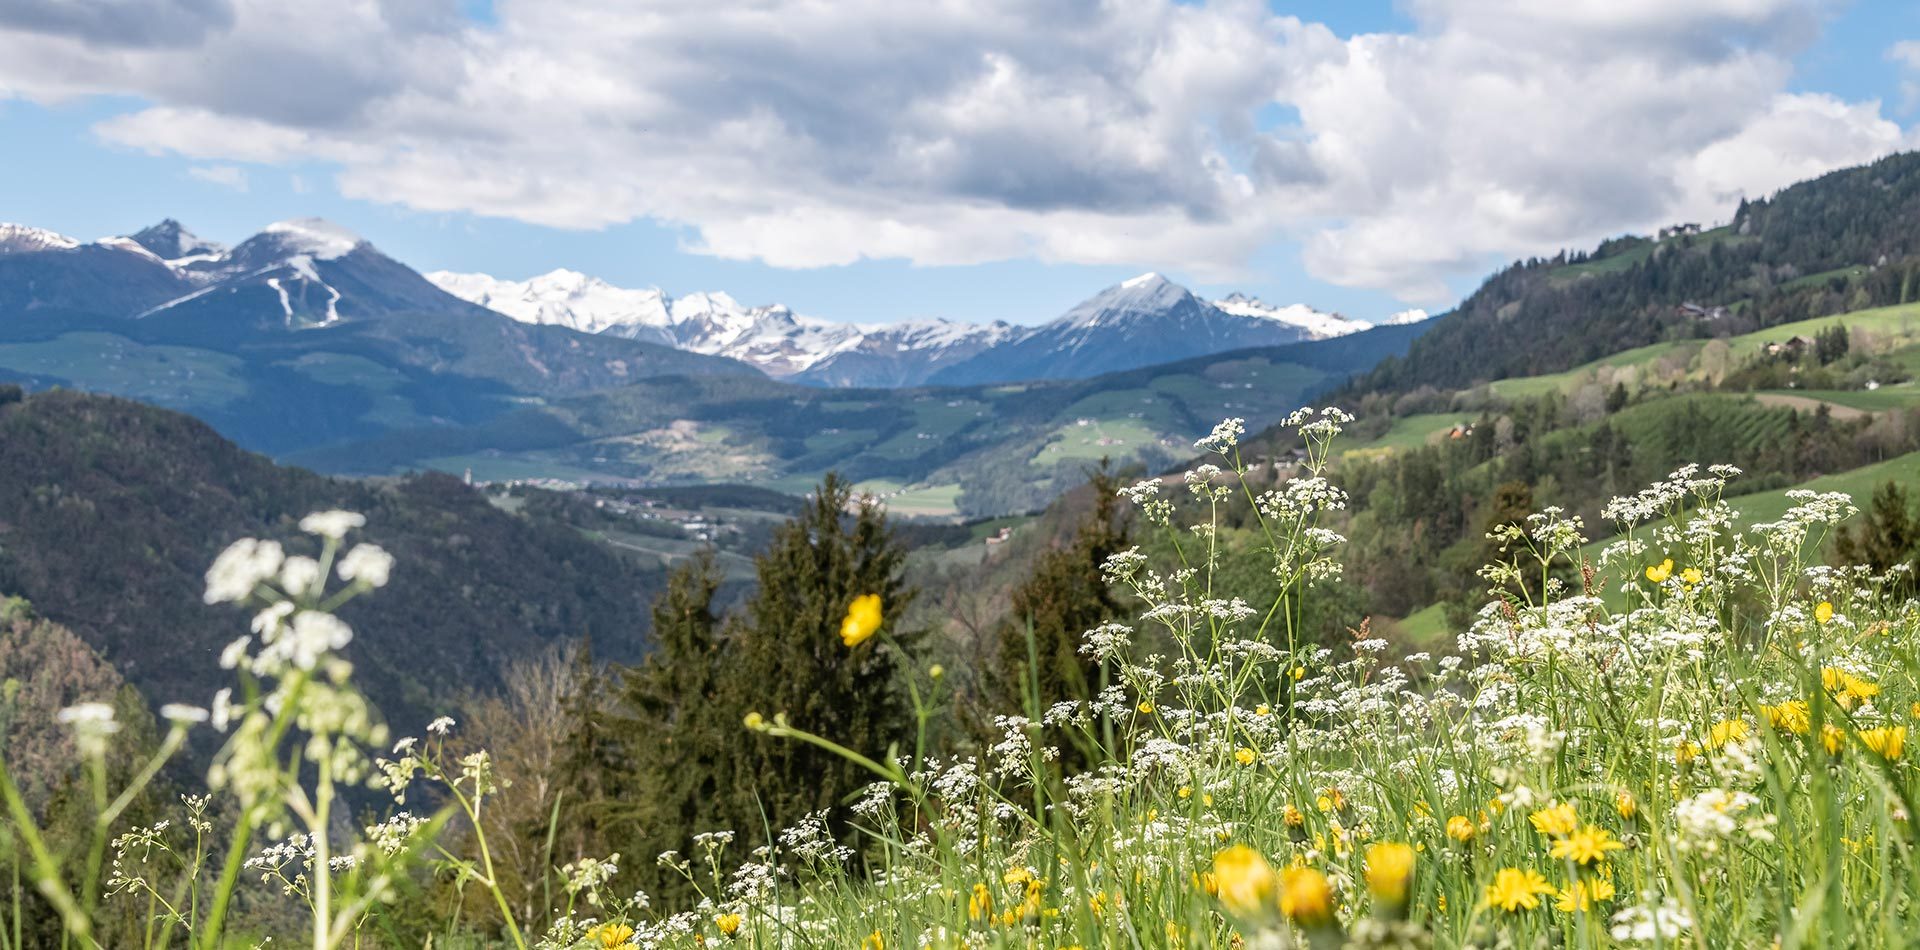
[(1719, 763)]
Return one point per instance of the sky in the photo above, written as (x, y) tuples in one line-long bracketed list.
[(873, 160)]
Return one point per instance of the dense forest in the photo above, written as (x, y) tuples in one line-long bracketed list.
[(1779, 260), (111, 510)]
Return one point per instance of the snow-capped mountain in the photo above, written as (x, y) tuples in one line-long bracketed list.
[(770, 337), (1138, 322), (23, 239), (1318, 324), (1147, 319), (176, 245)]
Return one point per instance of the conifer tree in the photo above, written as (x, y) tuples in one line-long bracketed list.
[(785, 655), (691, 765), (1887, 535)]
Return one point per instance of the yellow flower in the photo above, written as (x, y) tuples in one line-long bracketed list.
[(863, 620), (1887, 741), (1691, 576), (1514, 890), (729, 924), (1460, 828), (1659, 573), (1292, 817), (1914, 710), (1790, 716), (1686, 752), (1244, 880), (980, 903), (611, 935), (874, 941), (1582, 895), (1146, 708), (1730, 730), (1332, 799), (1186, 792), (1833, 739), (1625, 805), (1557, 820), (1390, 871), (1848, 687), (1306, 896), (1824, 612), (1263, 710), (1297, 672), (1586, 846), (1245, 756)]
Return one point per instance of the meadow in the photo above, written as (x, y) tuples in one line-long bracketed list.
[(1694, 736)]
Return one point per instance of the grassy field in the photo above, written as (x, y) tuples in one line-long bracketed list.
[(1407, 432), (1891, 330), (177, 377)]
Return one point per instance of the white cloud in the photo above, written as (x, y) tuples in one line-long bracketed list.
[(956, 131), (1906, 54), (226, 176)]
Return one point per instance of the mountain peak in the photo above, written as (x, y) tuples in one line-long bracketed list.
[(23, 239), (318, 237), (171, 241), (1146, 279)]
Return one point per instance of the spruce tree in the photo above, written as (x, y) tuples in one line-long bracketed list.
[(691, 765), (1887, 535), (670, 737), (785, 656)]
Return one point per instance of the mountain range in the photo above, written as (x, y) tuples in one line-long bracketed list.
[(1144, 320), (308, 343)]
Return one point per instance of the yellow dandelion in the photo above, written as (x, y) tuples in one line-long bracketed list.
[(729, 924), (1847, 687), (1186, 792), (1390, 871), (1245, 756), (1557, 820), (1586, 846), (611, 935), (874, 941), (1886, 741), (1791, 716), (863, 620), (1244, 881), (1658, 573), (1306, 897), (980, 903), (1460, 828), (1730, 730), (1583, 895), (1515, 890), (1824, 612), (1625, 805), (1833, 739), (1292, 816)]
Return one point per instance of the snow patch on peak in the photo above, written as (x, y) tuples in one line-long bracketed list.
[(129, 245), (22, 239), (316, 236), (1404, 317), (1319, 325), (1149, 277)]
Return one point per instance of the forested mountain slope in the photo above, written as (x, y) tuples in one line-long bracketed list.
[(110, 512)]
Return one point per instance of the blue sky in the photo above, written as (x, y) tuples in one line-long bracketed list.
[(67, 166)]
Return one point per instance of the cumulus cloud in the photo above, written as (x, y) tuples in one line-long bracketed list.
[(226, 176), (957, 131), (120, 23)]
